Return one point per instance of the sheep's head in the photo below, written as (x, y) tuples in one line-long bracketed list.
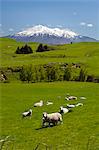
[(61, 107), (41, 102), (30, 110), (45, 114)]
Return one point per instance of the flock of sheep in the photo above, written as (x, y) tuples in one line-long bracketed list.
[(57, 117)]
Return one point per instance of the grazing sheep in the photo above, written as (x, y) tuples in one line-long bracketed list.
[(64, 110), (79, 104), (71, 105), (71, 98), (53, 118), (39, 104), (27, 113), (82, 98), (74, 105), (49, 103)]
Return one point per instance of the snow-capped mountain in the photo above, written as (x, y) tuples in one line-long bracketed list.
[(42, 30), (48, 35)]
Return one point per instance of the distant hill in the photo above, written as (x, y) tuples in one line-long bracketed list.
[(86, 53), (43, 34)]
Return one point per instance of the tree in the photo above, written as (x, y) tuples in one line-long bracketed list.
[(24, 50), (42, 73), (23, 74), (26, 74), (42, 48), (18, 50), (67, 74)]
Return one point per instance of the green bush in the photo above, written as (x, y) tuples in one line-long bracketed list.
[(26, 74), (67, 74), (82, 75), (51, 72)]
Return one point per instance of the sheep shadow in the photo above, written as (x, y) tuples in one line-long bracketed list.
[(47, 126)]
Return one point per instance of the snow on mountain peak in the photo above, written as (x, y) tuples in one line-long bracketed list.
[(41, 30)]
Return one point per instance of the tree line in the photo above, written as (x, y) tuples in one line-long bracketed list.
[(51, 72), (27, 49)]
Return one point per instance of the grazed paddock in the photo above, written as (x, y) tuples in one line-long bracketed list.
[(80, 127)]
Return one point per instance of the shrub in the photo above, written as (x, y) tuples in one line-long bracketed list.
[(67, 74), (26, 74), (90, 78), (82, 75), (51, 72)]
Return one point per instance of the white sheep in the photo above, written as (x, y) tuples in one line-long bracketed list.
[(64, 110), (79, 104), (71, 105), (74, 105), (39, 104), (53, 118), (71, 98), (49, 103), (27, 113), (82, 98)]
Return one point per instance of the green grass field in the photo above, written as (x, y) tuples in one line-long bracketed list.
[(84, 53), (80, 128)]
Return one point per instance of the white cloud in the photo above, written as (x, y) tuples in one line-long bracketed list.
[(1, 32), (60, 26), (89, 25), (82, 23), (49, 25), (11, 29), (86, 24)]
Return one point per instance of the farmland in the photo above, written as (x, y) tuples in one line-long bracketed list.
[(80, 128), (84, 53)]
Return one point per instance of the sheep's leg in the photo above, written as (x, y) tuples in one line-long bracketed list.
[(61, 121), (49, 124), (54, 123), (43, 123)]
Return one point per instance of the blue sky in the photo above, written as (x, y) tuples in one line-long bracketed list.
[(81, 16)]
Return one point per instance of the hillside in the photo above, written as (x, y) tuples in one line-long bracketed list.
[(83, 53), (80, 127)]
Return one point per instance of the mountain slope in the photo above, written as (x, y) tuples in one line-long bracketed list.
[(47, 35)]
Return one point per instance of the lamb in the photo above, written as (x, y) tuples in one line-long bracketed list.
[(49, 103), (79, 104), (53, 118), (71, 98), (64, 110), (74, 105), (82, 98), (39, 104), (27, 113), (71, 105)]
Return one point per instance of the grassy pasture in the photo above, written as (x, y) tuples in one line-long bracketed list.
[(84, 53), (80, 130)]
